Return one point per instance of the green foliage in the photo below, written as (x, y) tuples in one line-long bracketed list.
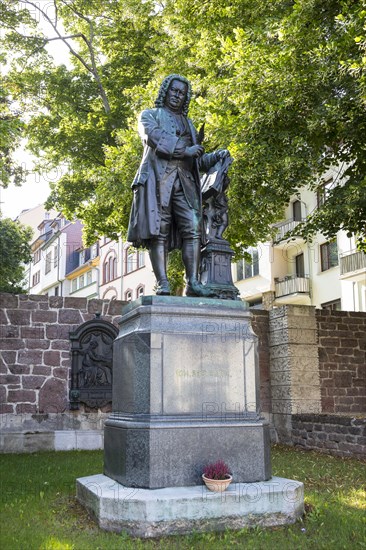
[(281, 84), (10, 133), (176, 272), (39, 509), (14, 253)]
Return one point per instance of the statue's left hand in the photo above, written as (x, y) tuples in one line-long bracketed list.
[(194, 151), (222, 153)]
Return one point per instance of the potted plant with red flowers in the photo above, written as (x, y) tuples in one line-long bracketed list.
[(217, 476)]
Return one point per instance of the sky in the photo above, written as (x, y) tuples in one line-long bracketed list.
[(16, 199), (35, 190)]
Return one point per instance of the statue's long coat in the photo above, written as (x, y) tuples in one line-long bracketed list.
[(158, 131)]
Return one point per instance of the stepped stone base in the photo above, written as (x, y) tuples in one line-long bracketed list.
[(149, 513)]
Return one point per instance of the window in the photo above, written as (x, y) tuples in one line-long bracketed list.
[(106, 277), (128, 295), (300, 265), (89, 278), (56, 255), (323, 191), (130, 260), (94, 251), (334, 305), (82, 257), (57, 289), (110, 269), (296, 211), (81, 281), (48, 261), (140, 291), (134, 259), (245, 269), (74, 285), (37, 256), (328, 255), (36, 278), (114, 270), (141, 258)]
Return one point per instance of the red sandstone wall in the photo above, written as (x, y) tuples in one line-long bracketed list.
[(342, 360), (35, 359), (34, 349)]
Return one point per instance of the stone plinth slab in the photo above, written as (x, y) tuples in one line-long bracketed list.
[(177, 510), (162, 453)]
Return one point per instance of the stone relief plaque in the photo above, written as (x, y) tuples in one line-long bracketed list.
[(92, 364)]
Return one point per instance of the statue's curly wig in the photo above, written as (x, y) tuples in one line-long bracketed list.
[(160, 100)]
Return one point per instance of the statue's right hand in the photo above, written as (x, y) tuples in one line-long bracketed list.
[(194, 151)]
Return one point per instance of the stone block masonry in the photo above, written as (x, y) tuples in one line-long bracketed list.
[(35, 369), (310, 362), (294, 365), (318, 378), (332, 434), (342, 361)]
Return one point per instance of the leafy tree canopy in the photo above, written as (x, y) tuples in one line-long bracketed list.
[(281, 83), (10, 134), (14, 253)]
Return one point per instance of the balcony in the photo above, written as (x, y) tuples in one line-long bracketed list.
[(292, 289), (353, 265), (283, 228)]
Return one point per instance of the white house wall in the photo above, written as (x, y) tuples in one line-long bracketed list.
[(124, 282), (56, 274), (33, 217), (141, 277), (254, 287)]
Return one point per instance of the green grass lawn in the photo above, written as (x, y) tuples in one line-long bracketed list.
[(39, 509)]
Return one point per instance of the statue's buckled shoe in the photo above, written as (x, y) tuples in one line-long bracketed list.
[(194, 288), (163, 289)]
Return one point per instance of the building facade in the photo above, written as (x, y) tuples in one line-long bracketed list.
[(53, 251), (322, 273), (62, 266)]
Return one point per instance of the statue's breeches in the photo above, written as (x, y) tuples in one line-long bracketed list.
[(187, 219)]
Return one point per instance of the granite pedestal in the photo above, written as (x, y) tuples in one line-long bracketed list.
[(185, 393)]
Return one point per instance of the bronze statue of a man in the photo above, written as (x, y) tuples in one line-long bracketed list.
[(167, 206)]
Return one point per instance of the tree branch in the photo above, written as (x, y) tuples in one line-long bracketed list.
[(92, 55), (56, 12), (90, 68)]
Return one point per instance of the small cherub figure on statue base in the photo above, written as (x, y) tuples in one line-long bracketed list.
[(215, 203), (215, 213)]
